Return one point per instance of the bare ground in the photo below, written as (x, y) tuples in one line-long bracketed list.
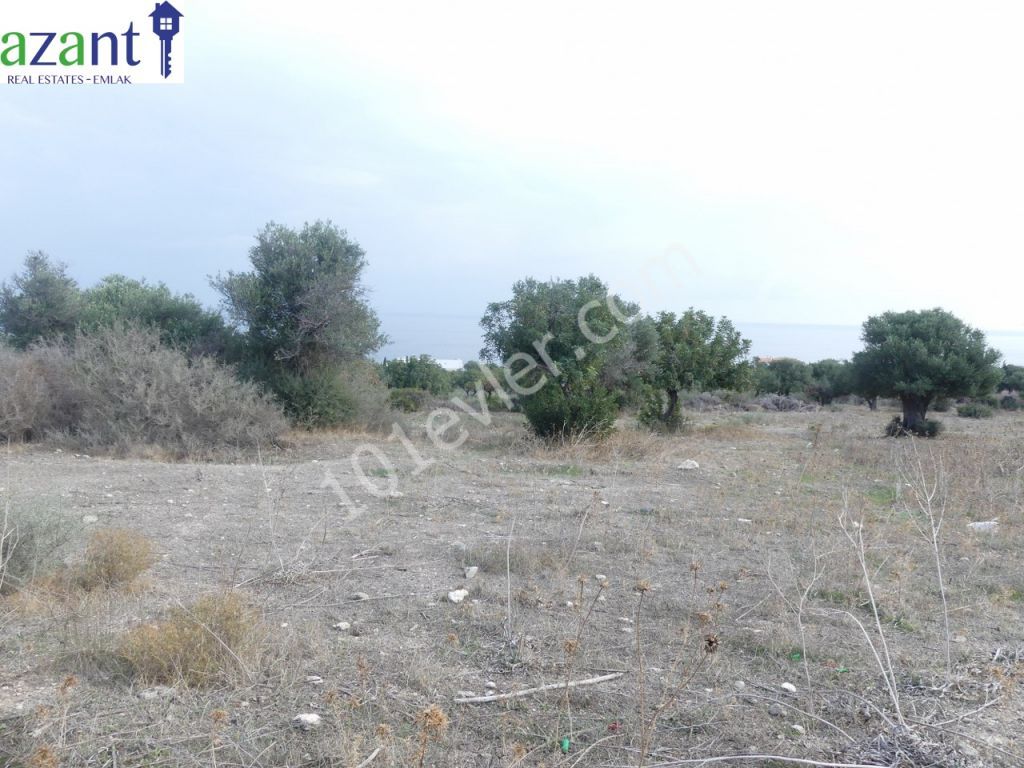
[(723, 583)]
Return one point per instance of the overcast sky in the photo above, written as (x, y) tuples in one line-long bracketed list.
[(780, 162)]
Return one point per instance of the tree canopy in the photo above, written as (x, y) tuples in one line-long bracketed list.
[(303, 306), (695, 352), (40, 302), (918, 356), (554, 338)]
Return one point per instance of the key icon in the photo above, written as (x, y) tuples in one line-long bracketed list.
[(166, 23)]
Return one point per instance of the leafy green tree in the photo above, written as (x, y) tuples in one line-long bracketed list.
[(696, 352), (830, 379), (40, 302), (553, 339), (182, 321), (304, 316), (1012, 379), (303, 306), (781, 376), (421, 372), (918, 356)]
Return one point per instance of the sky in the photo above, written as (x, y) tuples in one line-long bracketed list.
[(784, 164)]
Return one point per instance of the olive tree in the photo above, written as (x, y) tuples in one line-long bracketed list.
[(917, 356), (694, 352), (553, 340)]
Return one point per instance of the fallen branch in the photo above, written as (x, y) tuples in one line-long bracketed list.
[(370, 759), (538, 689)]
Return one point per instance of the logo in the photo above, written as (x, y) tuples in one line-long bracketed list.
[(124, 45)]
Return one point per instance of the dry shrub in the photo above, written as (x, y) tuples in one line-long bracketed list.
[(33, 541), (114, 557), (200, 645), (121, 387), (36, 392)]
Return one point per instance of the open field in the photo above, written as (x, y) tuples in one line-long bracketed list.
[(796, 553)]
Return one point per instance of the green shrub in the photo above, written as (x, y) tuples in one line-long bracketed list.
[(574, 406), (408, 399), (318, 399), (974, 411), (1009, 403), (926, 428), (990, 400), (941, 404)]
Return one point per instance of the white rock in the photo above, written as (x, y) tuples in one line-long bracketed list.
[(458, 595), (306, 721), (689, 464), (90, 519), (159, 692), (359, 596), (471, 571), (343, 626), (984, 525), (600, 577), (797, 728), (788, 687), (490, 685), (314, 680), (739, 685)]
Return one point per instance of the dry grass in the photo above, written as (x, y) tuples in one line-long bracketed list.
[(114, 558), (209, 642), (707, 588)]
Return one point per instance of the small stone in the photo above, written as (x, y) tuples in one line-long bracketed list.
[(600, 577), (959, 639), (471, 571), (359, 596), (458, 595), (788, 687), (459, 546), (776, 710), (465, 694), (490, 685), (306, 721), (314, 680), (343, 626), (797, 728), (967, 750), (90, 519), (689, 464), (739, 685)]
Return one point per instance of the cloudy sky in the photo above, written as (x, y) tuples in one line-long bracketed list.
[(779, 163)]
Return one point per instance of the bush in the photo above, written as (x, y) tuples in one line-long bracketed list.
[(1009, 403), (974, 411), (783, 403), (137, 391), (941, 405), (33, 541), (114, 557), (583, 408), (926, 428), (120, 387), (990, 400), (408, 399), (201, 645)]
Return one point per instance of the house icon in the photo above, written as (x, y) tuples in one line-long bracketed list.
[(166, 23)]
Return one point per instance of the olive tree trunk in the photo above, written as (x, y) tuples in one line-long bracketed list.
[(914, 409)]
